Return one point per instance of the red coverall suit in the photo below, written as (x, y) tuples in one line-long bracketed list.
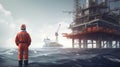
[(23, 41)]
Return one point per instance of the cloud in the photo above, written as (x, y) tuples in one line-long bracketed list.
[(4, 11), (9, 27), (6, 27)]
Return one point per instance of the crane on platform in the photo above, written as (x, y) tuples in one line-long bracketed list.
[(56, 33)]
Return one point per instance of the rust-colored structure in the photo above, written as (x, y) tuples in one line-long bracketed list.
[(96, 24)]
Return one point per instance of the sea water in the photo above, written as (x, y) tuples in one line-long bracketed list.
[(63, 57)]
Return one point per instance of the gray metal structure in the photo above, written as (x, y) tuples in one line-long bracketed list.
[(96, 24)]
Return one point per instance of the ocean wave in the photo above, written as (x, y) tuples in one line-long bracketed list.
[(64, 58)]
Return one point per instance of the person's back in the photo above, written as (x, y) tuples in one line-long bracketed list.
[(23, 41), (23, 37)]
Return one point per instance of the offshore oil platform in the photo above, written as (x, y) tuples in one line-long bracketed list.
[(96, 24)]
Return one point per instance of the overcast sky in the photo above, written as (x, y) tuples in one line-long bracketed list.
[(41, 17)]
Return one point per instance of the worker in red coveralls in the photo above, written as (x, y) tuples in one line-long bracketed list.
[(23, 41)]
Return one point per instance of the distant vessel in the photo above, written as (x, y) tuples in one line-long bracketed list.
[(49, 43)]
